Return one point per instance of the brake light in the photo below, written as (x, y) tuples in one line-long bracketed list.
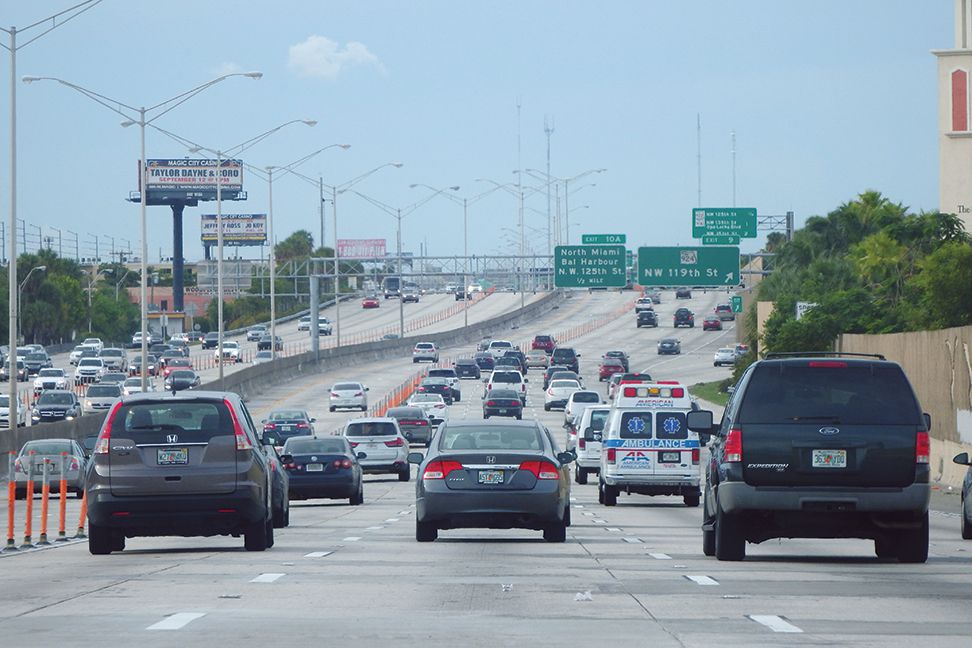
[(342, 463), (335, 395), (270, 426), (354, 444), (695, 456), (678, 392), (302, 426), (830, 364), (733, 447), (439, 469), (101, 446), (922, 448), (581, 444), (541, 469), (490, 403), (242, 442), (359, 394), (421, 423), (74, 464), (612, 455), (395, 443), (630, 392), (421, 389), (290, 466)]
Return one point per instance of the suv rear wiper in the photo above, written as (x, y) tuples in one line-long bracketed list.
[(835, 419), (159, 426)]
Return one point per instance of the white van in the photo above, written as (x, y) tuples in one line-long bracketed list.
[(587, 445), (647, 446)]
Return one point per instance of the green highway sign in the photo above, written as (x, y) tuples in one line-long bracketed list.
[(724, 221), (604, 239), (720, 240), (688, 266), (736, 302), (589, 266)]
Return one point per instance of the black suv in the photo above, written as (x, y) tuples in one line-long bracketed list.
[(211, 341), (185, 464), (684, 317), (647, 318), (818, 446), (567, 357)]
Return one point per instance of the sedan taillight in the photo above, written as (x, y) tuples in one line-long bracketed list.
[(541, 469), (439, 469), (395, 443)]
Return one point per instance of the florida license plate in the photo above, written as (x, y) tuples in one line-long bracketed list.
[(829, 459), (501, 411), (314, 467), (173, 456), (490, 476), (670, 457)]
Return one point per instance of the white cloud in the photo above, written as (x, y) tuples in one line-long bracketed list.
[(321, 57)]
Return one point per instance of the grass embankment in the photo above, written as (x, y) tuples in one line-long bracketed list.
[(714, 392)]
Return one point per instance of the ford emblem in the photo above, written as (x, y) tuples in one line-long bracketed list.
[(829, 431)]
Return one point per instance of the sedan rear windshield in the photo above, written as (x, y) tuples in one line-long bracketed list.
[(492, 437), (861, 394), (405, 413), (193, 421), (309, 445), (370, 429), (503, 393), (47, 448), (346, 387)]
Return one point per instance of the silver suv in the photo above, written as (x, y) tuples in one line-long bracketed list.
[(185, 464)]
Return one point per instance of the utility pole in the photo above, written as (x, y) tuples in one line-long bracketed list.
[(733, 168), (548, 129), (698, 155)]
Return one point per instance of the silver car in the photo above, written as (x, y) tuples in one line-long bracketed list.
[(100, 398), (558, 392), (384, 446), (348, 395), (724, 356), (5, 413), (425, 351), (35, 454)]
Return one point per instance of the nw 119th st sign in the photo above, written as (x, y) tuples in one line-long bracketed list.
[(688, 266), (589, 266)]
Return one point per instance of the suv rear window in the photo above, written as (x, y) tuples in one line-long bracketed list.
[(370, 429), (506, 377), (593, 431), (152, 422), (635, 425), (852, 394), (442, 373), (542, 338), (587, 397)]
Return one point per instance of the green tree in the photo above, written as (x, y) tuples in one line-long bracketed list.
[(943, 287), (298, 245)]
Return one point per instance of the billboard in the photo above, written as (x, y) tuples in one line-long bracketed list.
[(360, 248), (238, 229), (192, 179)]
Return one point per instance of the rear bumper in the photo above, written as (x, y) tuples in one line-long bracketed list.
[(189, 515), (735, 497), (309, 486), (495, 509), (383, 467), (418, 435)]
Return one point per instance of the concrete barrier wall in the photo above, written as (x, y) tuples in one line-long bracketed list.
[(939, 366), (252, 380)]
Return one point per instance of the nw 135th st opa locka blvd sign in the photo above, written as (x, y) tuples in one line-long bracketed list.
[(589, 266)]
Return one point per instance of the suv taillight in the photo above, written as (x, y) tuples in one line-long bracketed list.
[(581, 444), (612, 455), (733, 446), (395, 443), (242, 442), (101, 445), (922, 448)]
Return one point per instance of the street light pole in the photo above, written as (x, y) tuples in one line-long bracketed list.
[(20, 290), (401, 291), (465, 253), (272, 257)]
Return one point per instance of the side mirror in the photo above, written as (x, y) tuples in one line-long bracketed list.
[(576, 355), (962, 459), (415, 457), (313, 420), (566, 457), (704, 438), (88, 444), (700, 421), (286, 458), (486, 379), (362, 455), (367, 389), (526, 380), (927, 418)]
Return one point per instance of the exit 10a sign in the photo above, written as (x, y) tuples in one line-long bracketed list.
[(688, 266), (604, 239)]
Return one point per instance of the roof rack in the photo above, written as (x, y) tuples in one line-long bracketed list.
[(821, 354)]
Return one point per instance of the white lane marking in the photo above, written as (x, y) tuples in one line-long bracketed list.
[(374, 528), (351, 539), (591, 513), (774, 623), (633, 540), (318, 554), (176, 621), (392, 520), (660, 556), (599, 521), (578, 506), (404, 512), (701, 580), (267, 578), (614, 529), (573, 499)]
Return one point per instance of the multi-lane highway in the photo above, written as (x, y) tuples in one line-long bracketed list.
[(629, 575)]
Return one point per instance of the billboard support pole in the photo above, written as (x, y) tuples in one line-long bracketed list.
[(272, 260), (178, 283), (337, 270)]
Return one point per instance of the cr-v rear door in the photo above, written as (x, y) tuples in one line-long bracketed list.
[(828, 422), (172, 447)]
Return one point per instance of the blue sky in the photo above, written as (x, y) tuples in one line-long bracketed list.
[(827, 99)]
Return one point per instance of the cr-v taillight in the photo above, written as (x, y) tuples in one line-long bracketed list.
[(733, 446), (242, 441), (104, 438), (922, 448)]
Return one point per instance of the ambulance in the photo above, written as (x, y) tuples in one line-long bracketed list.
[(647, 447)]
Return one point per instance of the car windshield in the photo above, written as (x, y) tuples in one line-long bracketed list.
[(37, 356), (444, 373), (564, 384), (51, 373), (55, 398), (842, 394), (346, 387), (490, 437), (312, 445), (586, 397), (90, 362), (46, 447), (405, 413), (370, 429), (433, 382), (503, 393), (103, 391), (426, 398), (183, 374), (288, 415), (506, 377)]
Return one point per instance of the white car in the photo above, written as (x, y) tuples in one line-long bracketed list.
[(94, 342), (89, 370), (324, 326), (587, 442), (475, 287), (100, 398), (303, 324), (382, 442), (75, 354), (5, 412), (577, 402), (432, 404), (425, 351), (507, 379), (115, 359), (558, 391), (644, 304), (255, 332), (724, 356), (263, 356), (351, 395), (499, 347), (50, 379), (231, 351), (134, 386)]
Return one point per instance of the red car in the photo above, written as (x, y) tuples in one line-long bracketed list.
[(609, 367), (370, 302), (545, 343), (711, 323), (176, 363)]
